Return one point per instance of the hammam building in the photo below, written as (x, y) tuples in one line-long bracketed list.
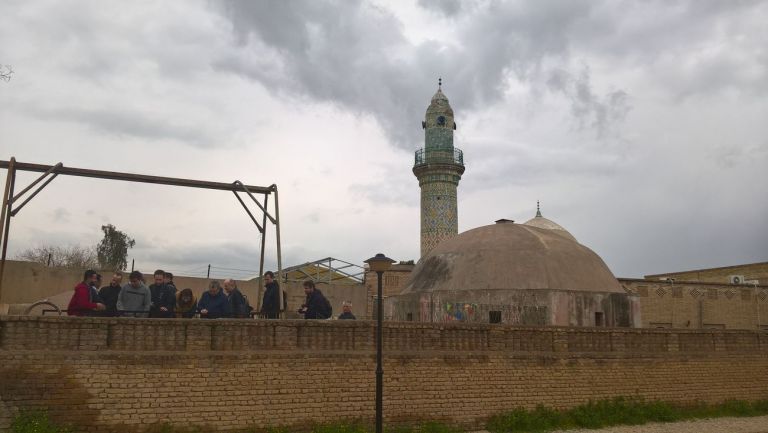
[(524, 274), (537, 273)]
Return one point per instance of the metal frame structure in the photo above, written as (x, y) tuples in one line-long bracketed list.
[(326, 270), (9, 199)]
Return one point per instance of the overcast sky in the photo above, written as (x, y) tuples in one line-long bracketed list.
[(641, 126)]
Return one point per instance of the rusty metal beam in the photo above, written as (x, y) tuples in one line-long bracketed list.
[(13, 166), (6, 216), (31, 185), (248, 211), (248, 191), (131, 177)]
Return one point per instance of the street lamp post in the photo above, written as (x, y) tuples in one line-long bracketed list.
[(379, 264)]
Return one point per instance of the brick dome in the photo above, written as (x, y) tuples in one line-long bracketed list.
[(508, 256)]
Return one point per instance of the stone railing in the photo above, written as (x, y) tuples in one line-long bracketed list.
[(128, 334)]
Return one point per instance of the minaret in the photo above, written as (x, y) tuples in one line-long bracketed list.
[(438, 167)]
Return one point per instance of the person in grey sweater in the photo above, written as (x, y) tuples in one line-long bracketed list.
[(134, 297)]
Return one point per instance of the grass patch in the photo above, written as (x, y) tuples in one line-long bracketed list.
[(617, 411), (36, 422), (598, 414)]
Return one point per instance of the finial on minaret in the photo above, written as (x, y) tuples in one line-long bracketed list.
[(538, 210), (440, 83)]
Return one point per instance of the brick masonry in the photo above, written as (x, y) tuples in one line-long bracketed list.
[(124, 374), (691, 304)]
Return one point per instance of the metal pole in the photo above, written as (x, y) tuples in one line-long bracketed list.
[(133, 262), (757, 303), (279, 253), (209, 272), (263, 244), (672, 295), (379, 368), (6, 216)]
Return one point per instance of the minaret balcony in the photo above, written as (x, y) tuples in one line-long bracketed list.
[(438, 155)]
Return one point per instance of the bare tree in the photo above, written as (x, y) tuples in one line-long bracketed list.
[(73, 256), (5, 72)]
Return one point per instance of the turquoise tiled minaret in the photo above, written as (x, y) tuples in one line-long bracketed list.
[(438, 166)]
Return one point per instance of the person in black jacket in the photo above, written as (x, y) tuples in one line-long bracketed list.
[(214, 304), (168, 280), (163, 296), (316, 305), (270, 304), (237, 302), (110, 293)]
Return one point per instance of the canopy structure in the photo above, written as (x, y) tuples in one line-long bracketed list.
[(328, 270), (12, 204)]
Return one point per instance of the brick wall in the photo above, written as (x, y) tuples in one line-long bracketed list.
[(124, 374), (686, 304), (751, 271)]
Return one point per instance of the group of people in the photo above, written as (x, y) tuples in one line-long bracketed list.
[(162, 300)]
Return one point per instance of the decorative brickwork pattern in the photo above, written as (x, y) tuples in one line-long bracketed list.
[(702, 305), (125, 374), (439, 167)]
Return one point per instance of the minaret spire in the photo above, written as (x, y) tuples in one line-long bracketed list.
[(538, 210), (438, 167)]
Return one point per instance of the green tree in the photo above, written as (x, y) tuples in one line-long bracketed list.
[(113, 248)]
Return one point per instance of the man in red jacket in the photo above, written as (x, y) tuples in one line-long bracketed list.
[(82, 303)]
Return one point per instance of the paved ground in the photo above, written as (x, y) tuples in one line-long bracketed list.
[(758, 424)]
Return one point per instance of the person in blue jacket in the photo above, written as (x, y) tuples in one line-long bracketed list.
[(214, 303)]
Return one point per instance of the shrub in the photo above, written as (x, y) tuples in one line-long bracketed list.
[(36, 422)]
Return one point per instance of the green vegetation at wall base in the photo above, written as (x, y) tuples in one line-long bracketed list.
[(592, 415), (618, 411)]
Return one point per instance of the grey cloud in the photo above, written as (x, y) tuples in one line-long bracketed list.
[(599, 113), (730, 156), (312, 217), (61, 215), (355, 55), (391, 185), (448, 8), (397, 193), (499, 164), (135, 123)]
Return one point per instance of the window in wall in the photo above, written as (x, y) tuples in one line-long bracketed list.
[(409, 317), (713, 326), (599, 319), (494, 317), (660, 325)]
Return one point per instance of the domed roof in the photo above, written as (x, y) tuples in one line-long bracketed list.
[(512, 256), (545, 223)]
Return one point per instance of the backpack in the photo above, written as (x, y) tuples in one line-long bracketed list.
[(248, 308), (327, 310)]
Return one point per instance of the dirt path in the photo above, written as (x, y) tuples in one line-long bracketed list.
[(758, 424)]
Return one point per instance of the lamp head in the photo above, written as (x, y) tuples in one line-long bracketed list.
[(379, 263)]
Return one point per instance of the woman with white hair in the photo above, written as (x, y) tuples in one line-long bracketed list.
[(346, 308)]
